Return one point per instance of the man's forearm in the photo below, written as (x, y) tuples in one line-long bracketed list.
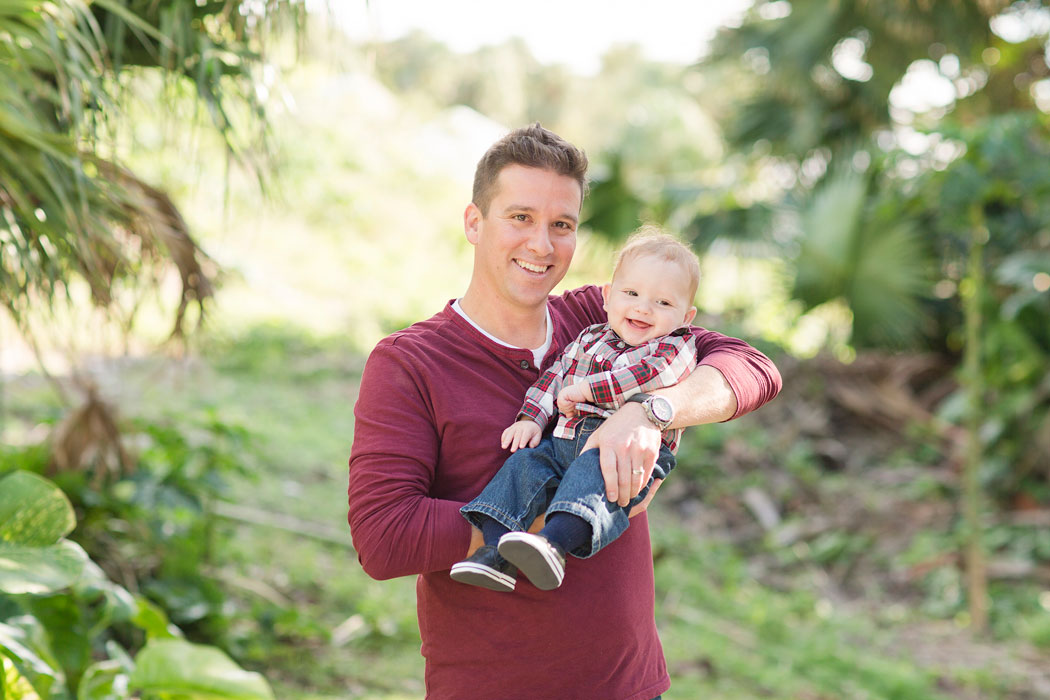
[(703, 397)]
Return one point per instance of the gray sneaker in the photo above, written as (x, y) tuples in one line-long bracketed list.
[(541, 560), (486, 568)]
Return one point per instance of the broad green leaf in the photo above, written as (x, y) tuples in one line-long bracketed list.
[(13, 685), (179, 668), (28, 670), (33, 511), (15, 642), (40, 570), (66, 618), (105, 680), (152, 620)]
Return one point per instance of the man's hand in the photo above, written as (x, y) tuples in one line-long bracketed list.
[(571, 395), (524, 433), (629, 445)]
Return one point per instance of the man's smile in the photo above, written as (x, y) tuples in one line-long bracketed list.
[(531, 267)]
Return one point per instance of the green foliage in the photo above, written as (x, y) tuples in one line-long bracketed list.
[(1005, 177), (878, 266), (156, 526), (612, 209), (160, 672), (805, 95), (52, 631), (284, 352), (71, 213), (34, 519)]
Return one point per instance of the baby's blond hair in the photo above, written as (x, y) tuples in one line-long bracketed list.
[(655, 241)]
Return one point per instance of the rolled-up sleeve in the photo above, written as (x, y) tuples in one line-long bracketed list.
[(752, 376)]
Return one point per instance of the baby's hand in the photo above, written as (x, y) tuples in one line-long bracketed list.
[(569, 396), (524, 433)]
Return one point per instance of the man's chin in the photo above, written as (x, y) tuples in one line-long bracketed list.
[(536, 295)]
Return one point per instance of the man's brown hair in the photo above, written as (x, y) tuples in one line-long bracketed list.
[(533, 147)]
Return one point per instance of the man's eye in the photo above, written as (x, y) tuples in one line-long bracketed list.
[(521, 217)]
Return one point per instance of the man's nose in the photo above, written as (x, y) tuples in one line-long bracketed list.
[(540, 241)]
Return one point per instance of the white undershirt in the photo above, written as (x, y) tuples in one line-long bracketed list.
[(537, 353)]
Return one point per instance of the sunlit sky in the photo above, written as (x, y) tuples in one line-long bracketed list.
[(575, 33)]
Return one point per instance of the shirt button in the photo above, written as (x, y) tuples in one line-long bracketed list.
[(524, 364)]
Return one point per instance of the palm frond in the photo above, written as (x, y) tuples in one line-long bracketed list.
[(880, 270), (66, 213)]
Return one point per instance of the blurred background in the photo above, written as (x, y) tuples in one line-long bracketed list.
[(211, 211)]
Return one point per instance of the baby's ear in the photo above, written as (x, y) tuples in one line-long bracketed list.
[(605, 297), (689, 315)]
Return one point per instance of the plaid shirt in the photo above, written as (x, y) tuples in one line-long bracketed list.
[(614, 371)]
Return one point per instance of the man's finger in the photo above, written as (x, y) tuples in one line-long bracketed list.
[(607, 460), (624, 476), (637, 479)]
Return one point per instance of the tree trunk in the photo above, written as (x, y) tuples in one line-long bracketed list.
[(972, 293)]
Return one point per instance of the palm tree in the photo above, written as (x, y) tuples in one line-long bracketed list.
[(69, 210)]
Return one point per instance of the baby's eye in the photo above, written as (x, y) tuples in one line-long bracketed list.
[(663, 302)]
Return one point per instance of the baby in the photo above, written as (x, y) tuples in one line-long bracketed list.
[(645, 345)]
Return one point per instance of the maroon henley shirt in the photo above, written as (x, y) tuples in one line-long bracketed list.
[(434, 400)]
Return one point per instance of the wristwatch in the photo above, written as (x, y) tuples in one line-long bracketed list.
[(658, 410)]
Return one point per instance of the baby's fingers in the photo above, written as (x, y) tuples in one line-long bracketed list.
[(521, 441)]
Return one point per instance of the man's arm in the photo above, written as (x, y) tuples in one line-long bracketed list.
[(397, 528), (732, 379)]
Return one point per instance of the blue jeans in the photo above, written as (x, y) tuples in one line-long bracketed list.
[(555, 477)]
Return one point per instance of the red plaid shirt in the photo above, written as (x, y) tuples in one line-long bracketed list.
[(614, 371)]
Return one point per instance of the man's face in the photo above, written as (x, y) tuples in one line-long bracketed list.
[(524, 245), (648, 298)]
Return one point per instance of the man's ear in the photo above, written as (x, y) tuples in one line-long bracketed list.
[(472, 222), (605, 296), (689, 316)]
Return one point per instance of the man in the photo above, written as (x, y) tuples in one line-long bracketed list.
[(433, 403)]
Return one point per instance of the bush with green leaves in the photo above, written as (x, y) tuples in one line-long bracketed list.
[(152, 527), (62, 620)]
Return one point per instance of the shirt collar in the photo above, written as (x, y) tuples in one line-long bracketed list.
[(610, 336)]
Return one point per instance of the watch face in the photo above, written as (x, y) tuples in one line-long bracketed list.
[(661, 408)]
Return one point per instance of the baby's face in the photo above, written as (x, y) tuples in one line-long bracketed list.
[(648, 298)]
